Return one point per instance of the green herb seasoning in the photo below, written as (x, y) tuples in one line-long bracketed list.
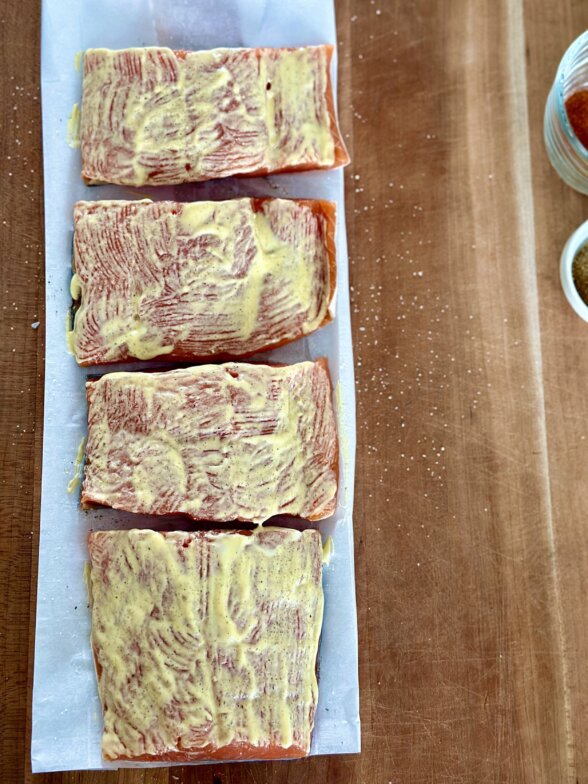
[(580, 272)]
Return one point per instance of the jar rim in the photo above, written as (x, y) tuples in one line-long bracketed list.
[(570, 53)]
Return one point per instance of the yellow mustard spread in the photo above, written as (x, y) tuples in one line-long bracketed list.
[(73, 127), (203, 640), (74, 482)]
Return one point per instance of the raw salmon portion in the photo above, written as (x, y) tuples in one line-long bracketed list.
[(158, 117), (205, 643), (199, 280), (215, 442)]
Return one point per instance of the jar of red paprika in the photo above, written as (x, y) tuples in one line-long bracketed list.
[(565, 126)]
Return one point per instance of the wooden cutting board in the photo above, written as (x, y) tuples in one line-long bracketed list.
[(472, 489)]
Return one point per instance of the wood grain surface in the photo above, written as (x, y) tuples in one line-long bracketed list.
[(471, 517)]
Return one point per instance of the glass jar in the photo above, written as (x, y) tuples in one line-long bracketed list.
[(567, 155)]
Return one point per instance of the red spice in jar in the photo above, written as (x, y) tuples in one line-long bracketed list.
[(577, 110)]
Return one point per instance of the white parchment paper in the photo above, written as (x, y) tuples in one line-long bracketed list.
[(67, 721)]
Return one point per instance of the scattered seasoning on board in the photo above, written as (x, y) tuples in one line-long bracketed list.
[(577, 110), (580, 272)]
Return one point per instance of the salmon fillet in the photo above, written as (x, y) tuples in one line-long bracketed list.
[(200, 280), (158, 117), (215, 442), (205, 643)]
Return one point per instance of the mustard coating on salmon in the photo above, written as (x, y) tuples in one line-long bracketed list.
[(205, 641), (216, 442), (73, 127), (155, 116), (74, 482), (200, 279)]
